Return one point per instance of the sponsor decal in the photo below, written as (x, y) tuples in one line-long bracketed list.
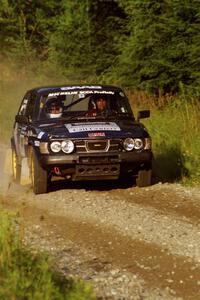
[(97, 126), (81, 92), (96, 134), (24, 130), (80, 87), (40, 135)]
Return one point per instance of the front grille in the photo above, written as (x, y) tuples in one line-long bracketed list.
[(94, 159), (89, 146), (80, 146), (98, 145)]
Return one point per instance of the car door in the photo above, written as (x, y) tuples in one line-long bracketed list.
[(22, 123)]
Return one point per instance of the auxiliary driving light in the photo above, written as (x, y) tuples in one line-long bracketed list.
[(67, 146), (55, 147), (128, 144)]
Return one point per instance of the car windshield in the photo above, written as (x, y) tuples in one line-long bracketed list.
[(84, 104)]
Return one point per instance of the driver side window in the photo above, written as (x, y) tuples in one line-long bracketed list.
[(22, 109)]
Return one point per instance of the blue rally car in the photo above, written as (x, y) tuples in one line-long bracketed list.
[(80, 132)]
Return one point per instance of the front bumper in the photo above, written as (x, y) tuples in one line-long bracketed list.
[(95, 158), (97, 165)]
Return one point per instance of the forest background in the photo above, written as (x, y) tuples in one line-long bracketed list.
[(149, 47)]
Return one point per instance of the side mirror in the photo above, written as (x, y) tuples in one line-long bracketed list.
[(142, 114), (21, 119)]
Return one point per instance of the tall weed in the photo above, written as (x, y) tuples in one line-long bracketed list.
[(175, 128)]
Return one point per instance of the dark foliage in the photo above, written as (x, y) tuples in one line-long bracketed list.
[(150, 45)]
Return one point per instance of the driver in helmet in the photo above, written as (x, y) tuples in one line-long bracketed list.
[(54, 108), (97, 106)]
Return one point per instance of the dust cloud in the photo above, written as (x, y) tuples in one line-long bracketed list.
[(14, 82), (5, 169)]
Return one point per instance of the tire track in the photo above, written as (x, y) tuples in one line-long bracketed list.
[(178, 202), (133, 220)]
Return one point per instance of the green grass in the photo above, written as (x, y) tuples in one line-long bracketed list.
[(175, 131), (27, 275)]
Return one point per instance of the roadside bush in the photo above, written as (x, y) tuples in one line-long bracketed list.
[(27, 275)]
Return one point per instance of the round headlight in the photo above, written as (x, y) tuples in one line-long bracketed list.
[(129, 144), (67, 146), (55, 147), (138, 144)]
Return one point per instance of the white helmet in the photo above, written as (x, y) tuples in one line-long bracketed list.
[(54, 108)]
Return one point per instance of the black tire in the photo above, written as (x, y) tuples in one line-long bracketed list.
[(39, 176), (144, 178), (16, 167)]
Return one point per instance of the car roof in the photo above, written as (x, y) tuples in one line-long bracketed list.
[(73, 87)]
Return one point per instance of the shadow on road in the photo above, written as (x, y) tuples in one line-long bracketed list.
[(169, 165), (102, 185)]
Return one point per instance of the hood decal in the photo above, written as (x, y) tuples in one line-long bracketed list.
[(93, 126), (96, 134)]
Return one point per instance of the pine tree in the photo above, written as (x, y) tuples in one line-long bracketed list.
[(85, 42), (161, 52), (26, 27)]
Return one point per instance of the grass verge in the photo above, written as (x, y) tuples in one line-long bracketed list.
[(25, 275), (174, 129)]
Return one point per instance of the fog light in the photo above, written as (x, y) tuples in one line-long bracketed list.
[(138, 144)]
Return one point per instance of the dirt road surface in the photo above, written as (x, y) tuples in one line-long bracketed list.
[(128, 242)]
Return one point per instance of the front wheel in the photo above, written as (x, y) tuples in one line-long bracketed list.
[(39, 176), (16, 167), (144, 178)]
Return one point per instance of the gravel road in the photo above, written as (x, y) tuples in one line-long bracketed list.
[(128, 242)]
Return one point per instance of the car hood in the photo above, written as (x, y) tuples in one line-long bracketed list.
[(93, 129)]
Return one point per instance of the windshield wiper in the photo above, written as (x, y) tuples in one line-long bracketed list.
[(119, 114), (78, 117)]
